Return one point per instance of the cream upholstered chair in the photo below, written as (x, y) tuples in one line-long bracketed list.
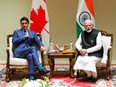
[(105, 62), (13, 63)]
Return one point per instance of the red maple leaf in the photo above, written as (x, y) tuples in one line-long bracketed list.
[(44, 1), (39, 20)]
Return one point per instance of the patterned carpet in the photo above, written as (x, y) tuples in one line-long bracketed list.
[(60, 79)]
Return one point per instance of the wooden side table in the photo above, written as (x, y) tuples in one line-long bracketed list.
[(51, 62)]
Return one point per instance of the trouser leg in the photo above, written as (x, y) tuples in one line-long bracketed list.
[(37, 62), (30, 64), (94, 74), (35, 56), (75, 72), (89, 73)]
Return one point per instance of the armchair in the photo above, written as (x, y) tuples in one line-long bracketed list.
[(14, 64), (105, 62)]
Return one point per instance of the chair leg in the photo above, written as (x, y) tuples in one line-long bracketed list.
[(72, 62), (108, 73), (78, 71), (7, 74)]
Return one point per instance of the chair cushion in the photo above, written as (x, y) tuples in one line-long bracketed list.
[(18, 61)]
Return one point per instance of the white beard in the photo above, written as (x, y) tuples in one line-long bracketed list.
[(89, 31)]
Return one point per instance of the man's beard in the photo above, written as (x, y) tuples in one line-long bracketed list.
[(88, 31)]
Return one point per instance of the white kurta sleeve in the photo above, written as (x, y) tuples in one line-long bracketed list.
[(78, 43), (98, 44)]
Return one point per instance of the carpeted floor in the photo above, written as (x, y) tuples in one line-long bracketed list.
[(60, 79)]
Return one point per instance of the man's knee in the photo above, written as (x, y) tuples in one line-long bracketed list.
[(29, 57)]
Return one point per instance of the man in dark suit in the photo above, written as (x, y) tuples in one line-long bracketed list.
[(23, 39)]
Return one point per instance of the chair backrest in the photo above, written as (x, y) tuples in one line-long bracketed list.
[(10, 47), (107, 41)]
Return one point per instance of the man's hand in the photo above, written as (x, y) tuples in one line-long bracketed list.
[(83, 52), (42, 48)]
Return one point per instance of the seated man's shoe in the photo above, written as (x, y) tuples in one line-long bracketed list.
[(44, 71), (87, 79), (93, 80)]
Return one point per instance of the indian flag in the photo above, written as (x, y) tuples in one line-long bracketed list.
[(39, 21), (85, 11)]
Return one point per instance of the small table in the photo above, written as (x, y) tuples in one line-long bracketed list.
[(51, 62)]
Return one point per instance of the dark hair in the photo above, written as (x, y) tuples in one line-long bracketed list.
[(24, 18)]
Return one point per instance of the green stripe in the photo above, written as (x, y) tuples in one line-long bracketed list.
[(78, 29)]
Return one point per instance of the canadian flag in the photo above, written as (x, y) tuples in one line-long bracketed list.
[(39, 21)]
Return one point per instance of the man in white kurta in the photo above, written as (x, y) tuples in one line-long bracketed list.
[(89, 46)]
